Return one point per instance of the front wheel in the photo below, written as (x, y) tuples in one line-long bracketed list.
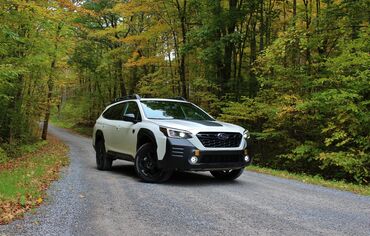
[(227, 174), (146, 165)]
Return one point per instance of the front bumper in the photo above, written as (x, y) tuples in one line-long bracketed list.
[(179, 152)]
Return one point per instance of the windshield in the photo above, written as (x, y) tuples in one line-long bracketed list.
[(173, 110)]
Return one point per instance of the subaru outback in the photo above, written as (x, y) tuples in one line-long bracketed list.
[(165, 135)]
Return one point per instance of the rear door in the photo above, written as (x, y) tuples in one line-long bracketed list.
[(113, 118), (126, 131)]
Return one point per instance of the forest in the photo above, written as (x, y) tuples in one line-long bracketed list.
[(295, 73)]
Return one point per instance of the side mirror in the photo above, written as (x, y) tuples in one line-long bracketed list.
[(130, 117)]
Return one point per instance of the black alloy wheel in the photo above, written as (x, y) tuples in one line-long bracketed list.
[(146, 165)]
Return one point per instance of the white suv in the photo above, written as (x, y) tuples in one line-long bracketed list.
[(164, 135)]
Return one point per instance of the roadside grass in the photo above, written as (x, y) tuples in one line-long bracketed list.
[(9, 151), (24, 180), (317, 180), (71, 125)]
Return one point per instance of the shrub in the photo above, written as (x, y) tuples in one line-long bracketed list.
[(3, 156)]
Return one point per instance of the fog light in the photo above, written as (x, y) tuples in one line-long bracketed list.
[(193, 160), (246, 158)]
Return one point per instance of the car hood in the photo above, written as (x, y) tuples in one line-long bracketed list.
[(199, 126)]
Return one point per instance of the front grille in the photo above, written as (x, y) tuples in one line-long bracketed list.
[(211, 158), (221, 140), (177, 151)]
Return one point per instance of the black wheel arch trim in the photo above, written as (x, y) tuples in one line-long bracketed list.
[(98, 136), (143, 135)]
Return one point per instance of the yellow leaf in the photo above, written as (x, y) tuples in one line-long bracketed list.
[(39, 200)]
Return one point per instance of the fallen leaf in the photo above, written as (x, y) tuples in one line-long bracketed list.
[(39, 200)]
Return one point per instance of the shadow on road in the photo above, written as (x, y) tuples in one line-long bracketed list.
[(197, 179), (124, 169), (178, 178)]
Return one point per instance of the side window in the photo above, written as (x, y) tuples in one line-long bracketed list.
[(132, 108), (115, 112), (108, 113)]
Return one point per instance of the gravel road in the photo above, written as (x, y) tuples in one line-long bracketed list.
[(90, 202)]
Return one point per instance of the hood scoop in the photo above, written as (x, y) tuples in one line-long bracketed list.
[(207, 123)]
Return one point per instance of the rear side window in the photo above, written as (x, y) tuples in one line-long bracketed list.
[(115, 112)]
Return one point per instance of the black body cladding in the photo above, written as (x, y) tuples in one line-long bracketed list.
[(179, 151)]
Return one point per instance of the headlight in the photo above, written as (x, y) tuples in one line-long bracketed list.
[(175, 133), (246, 134)]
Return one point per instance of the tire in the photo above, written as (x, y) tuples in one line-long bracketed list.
[(146, 165), (103, 160), (227, 174)]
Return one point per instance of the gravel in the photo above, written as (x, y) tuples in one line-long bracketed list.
[(86, 201)]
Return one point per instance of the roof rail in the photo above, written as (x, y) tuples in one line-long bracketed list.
[(179, 98), (128, 97)]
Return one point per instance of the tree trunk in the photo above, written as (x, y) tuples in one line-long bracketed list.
[(217, 66), (182, 65), (308, 8), (121, 78), (253, 57), (48, 106), (240, 59), (284, 15), (171, 72), (14, 108), (295, 56), (268, 23), (262, 26), (229, 48), (50, 84)]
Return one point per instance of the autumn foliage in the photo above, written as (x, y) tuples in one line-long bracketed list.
[(293, 72)]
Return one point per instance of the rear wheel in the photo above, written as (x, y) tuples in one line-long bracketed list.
[(227, 174), (103, 160), (146, 165)]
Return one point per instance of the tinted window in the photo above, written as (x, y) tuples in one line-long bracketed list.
[(132, 108), (173, 110), (115, 112)]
